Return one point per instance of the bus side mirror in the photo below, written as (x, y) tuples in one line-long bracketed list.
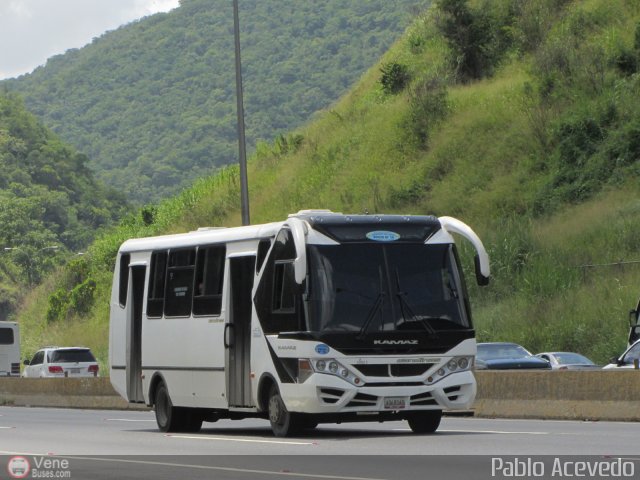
[(480, 278), (300, 263), (481, 260), (633, 317)]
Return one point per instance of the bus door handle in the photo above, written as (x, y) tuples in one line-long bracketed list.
[(228, 335)]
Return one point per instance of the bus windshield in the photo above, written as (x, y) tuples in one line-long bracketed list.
[(385, 287)]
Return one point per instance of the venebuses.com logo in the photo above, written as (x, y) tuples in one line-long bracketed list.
[(38, 467), (18, 467)]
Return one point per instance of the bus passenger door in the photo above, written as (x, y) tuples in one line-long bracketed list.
[(134, 334), (237, 333)]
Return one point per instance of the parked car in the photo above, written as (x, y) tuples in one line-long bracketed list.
[(568, 361), (61, 362), (634, 324), (507, 356), (626, 360)]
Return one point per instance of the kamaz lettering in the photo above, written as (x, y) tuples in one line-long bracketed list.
[(395, 342)]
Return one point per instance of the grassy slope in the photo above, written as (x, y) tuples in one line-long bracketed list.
[(482, 165)]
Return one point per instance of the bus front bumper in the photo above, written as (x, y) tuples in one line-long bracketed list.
[(329, 394)]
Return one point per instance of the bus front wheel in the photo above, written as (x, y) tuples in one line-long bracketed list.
[(283, 422), (426, 421)]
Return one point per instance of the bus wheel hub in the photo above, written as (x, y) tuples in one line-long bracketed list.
[(275, 410)]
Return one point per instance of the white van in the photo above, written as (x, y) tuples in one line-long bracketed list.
[(9, 349), (629, 359)]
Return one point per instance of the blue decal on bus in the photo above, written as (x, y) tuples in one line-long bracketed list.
[(322, 349), (383, 236)]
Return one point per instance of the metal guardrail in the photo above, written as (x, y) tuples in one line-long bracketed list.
[(621, 264)]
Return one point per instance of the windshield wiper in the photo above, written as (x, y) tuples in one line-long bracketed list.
[(374, 309), (412, 316)]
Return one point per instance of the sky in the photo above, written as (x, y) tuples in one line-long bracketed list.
[(33, 30)]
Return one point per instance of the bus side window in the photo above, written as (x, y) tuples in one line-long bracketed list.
[(207, 297), (277, 295), (157, 274), (283, 291), (178, 293), (6, 336), (263, 249), (124, 279)]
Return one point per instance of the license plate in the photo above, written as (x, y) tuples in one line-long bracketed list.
[(395, 403), (73, 370)]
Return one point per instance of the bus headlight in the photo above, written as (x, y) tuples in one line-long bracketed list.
[(456, 364), (307, 367)]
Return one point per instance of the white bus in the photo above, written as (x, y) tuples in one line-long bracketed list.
[(9, 349), (322, 318)]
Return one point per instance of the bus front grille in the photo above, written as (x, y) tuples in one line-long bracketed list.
[(422, 399), (394, 370), (363, 400), (452, 392), (331, 395)]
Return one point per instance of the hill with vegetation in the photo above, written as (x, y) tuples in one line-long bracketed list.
[(50, 204), (520, 118), (152, 104)]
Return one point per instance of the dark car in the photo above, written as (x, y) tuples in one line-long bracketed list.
[(507, 356)]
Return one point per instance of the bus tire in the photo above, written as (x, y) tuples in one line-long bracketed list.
[(308, 422), (192, 420), (168, 417), (426, 421), (283, 422)]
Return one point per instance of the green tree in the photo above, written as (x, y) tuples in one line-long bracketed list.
[(469, 36)]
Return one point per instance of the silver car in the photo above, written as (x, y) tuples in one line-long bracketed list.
[(568, 361)]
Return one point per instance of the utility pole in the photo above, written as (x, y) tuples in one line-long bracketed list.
[(244, 187)]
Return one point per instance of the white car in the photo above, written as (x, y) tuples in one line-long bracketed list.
[(58, 362), (626, 360)]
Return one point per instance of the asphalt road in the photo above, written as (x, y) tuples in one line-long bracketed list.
[(124, 444)]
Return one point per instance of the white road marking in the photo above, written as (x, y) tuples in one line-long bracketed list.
[(224, 469), (126, 420), (3, 452), (6, 428), (488, 431), (496, 431), (231, 439)]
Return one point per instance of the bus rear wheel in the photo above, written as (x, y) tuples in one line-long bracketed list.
[(174, 419), (166, 413), (283, 422), (426, 421)]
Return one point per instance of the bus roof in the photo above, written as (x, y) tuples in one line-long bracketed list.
[(202, 236)]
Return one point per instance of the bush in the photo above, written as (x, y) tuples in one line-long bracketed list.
[(81, 297), (394, 77), (57, 309), (427, 106)]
